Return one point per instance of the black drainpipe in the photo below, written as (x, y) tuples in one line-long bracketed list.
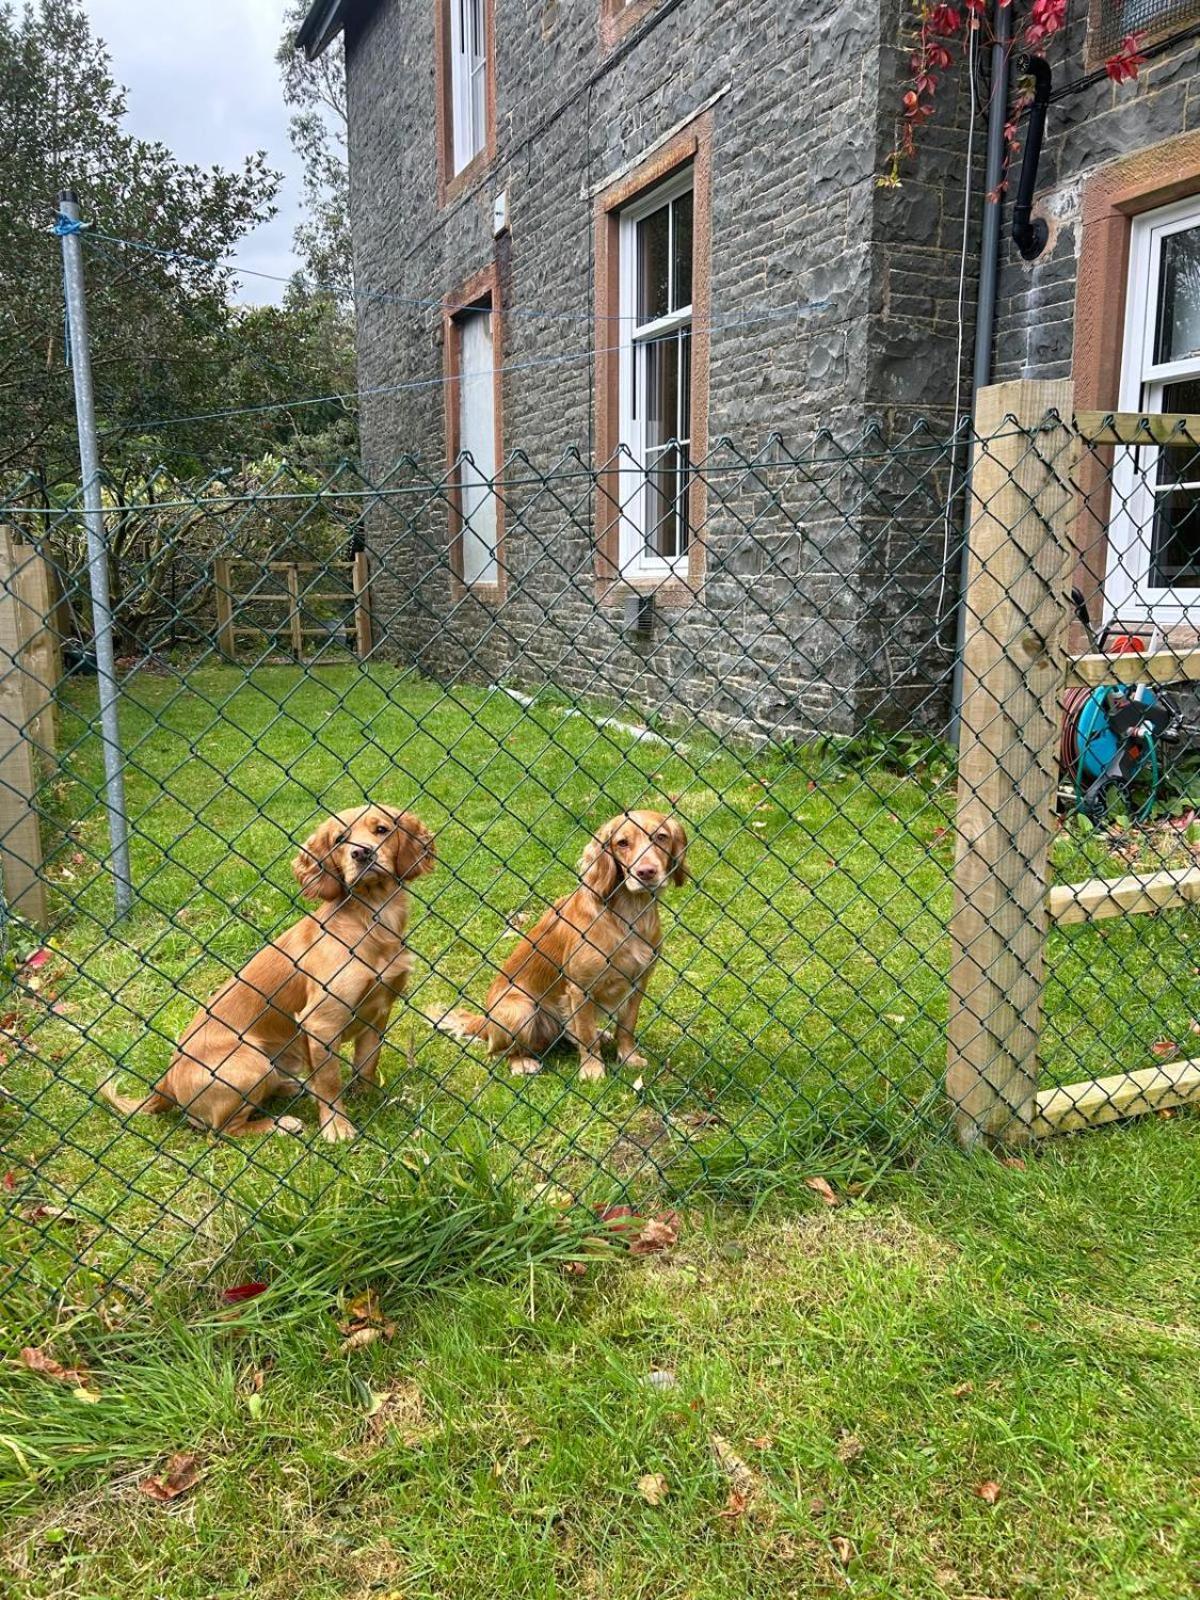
[(985, 304), (1030, 236)]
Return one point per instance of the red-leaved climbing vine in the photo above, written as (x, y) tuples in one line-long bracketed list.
[(944, 30)]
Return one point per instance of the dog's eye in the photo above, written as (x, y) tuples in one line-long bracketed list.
[(661, 838), (341, 838), (381, 827)]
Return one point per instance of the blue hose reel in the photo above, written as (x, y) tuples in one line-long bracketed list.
[(1112, 743)]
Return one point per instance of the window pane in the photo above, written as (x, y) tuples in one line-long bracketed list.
[(653, 245), (667, 366), (476, 438), (681, 251), (1179, 297)]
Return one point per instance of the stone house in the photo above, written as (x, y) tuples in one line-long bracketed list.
[(629, 236)]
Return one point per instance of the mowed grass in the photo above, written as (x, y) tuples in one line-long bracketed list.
[(953, 1323), (798, 1013), (1024, 1333)]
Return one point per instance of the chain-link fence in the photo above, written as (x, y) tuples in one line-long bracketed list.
[(453, 822)]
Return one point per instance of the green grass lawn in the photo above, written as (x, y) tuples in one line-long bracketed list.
[(799, 1011), (954, 1322)]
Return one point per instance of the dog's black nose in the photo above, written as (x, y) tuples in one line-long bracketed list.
[(361, 853)]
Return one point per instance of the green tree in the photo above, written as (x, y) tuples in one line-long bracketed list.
[(316, 91), (61, 116)]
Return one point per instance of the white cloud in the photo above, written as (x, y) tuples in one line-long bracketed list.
[(202, 78)]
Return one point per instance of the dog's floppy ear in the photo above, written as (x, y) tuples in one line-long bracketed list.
[(412, 844), (680, 872), (598, 867), (315, 872)]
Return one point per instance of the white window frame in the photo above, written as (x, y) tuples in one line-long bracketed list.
[(635, 560), (476, 462), (1129, 595), (468, 81)]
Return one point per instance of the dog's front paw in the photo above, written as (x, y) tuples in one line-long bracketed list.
[(288, 1125), (591, 1069), (634, 1058), (524, 1066), (338, 1129)]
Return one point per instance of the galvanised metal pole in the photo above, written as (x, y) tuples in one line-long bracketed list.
[(97, 543)]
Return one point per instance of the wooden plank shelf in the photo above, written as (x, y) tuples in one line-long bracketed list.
[(1122, 897)]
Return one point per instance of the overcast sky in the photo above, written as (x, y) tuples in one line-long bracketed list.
[(201, 77)]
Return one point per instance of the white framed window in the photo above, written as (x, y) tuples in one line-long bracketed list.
[(1153, 572), (655, 377), (468, 81), (475, 468)]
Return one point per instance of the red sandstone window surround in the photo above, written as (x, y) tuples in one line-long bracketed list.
[(465, 73)]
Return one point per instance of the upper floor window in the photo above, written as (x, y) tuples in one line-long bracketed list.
[(1154, 537), (468, 80), (656, 378), (466, 89)]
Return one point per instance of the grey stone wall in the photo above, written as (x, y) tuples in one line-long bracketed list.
[(1036, 309), (821, 602)]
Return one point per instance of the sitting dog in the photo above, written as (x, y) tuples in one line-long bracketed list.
[(331, 978), (593, 950)]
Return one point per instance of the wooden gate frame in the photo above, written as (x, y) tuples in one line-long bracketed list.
[(228, 602), (1015, 664)]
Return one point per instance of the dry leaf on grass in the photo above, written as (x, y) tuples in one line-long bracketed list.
[(653, 1488), (822, 1187), (242, 1291), (49, 1214), (962, 1390), (743, 1481), (179, 1475), (46, 1367), (988, 1491), (1013, 1161), (850, 1447), (1163, 1048), (657, 1233), (843, 1551), (365, 1322)]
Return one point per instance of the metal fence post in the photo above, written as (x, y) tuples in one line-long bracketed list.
[(97, 542)]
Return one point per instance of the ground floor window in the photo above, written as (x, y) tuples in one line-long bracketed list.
[(474, 443), (1154, 532)]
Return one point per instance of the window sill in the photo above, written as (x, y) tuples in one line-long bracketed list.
[(456, 186), (616, 20)]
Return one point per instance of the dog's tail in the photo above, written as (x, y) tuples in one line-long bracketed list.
[(459, 1023), (127, 1104)]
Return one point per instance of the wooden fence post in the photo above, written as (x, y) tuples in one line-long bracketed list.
[(20, 832), (295, 620), (1021, 560), (361, 581), (41, 651), (223, 588)]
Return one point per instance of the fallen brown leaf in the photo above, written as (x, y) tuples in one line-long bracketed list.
[(742, 1480), (850, 1447), (988, 1491), (843, 1551), (573, 1269), (763, 1442), (653, 1488), (817, 1507), (359, 1338), (48, 1214), (656, 1234), (242, 1291), (736, 1505), (181, 1473), (822, 1187), (1013, 1161), (962, 1390), (365, 1322), (1163, 1048), (46, 1367)]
